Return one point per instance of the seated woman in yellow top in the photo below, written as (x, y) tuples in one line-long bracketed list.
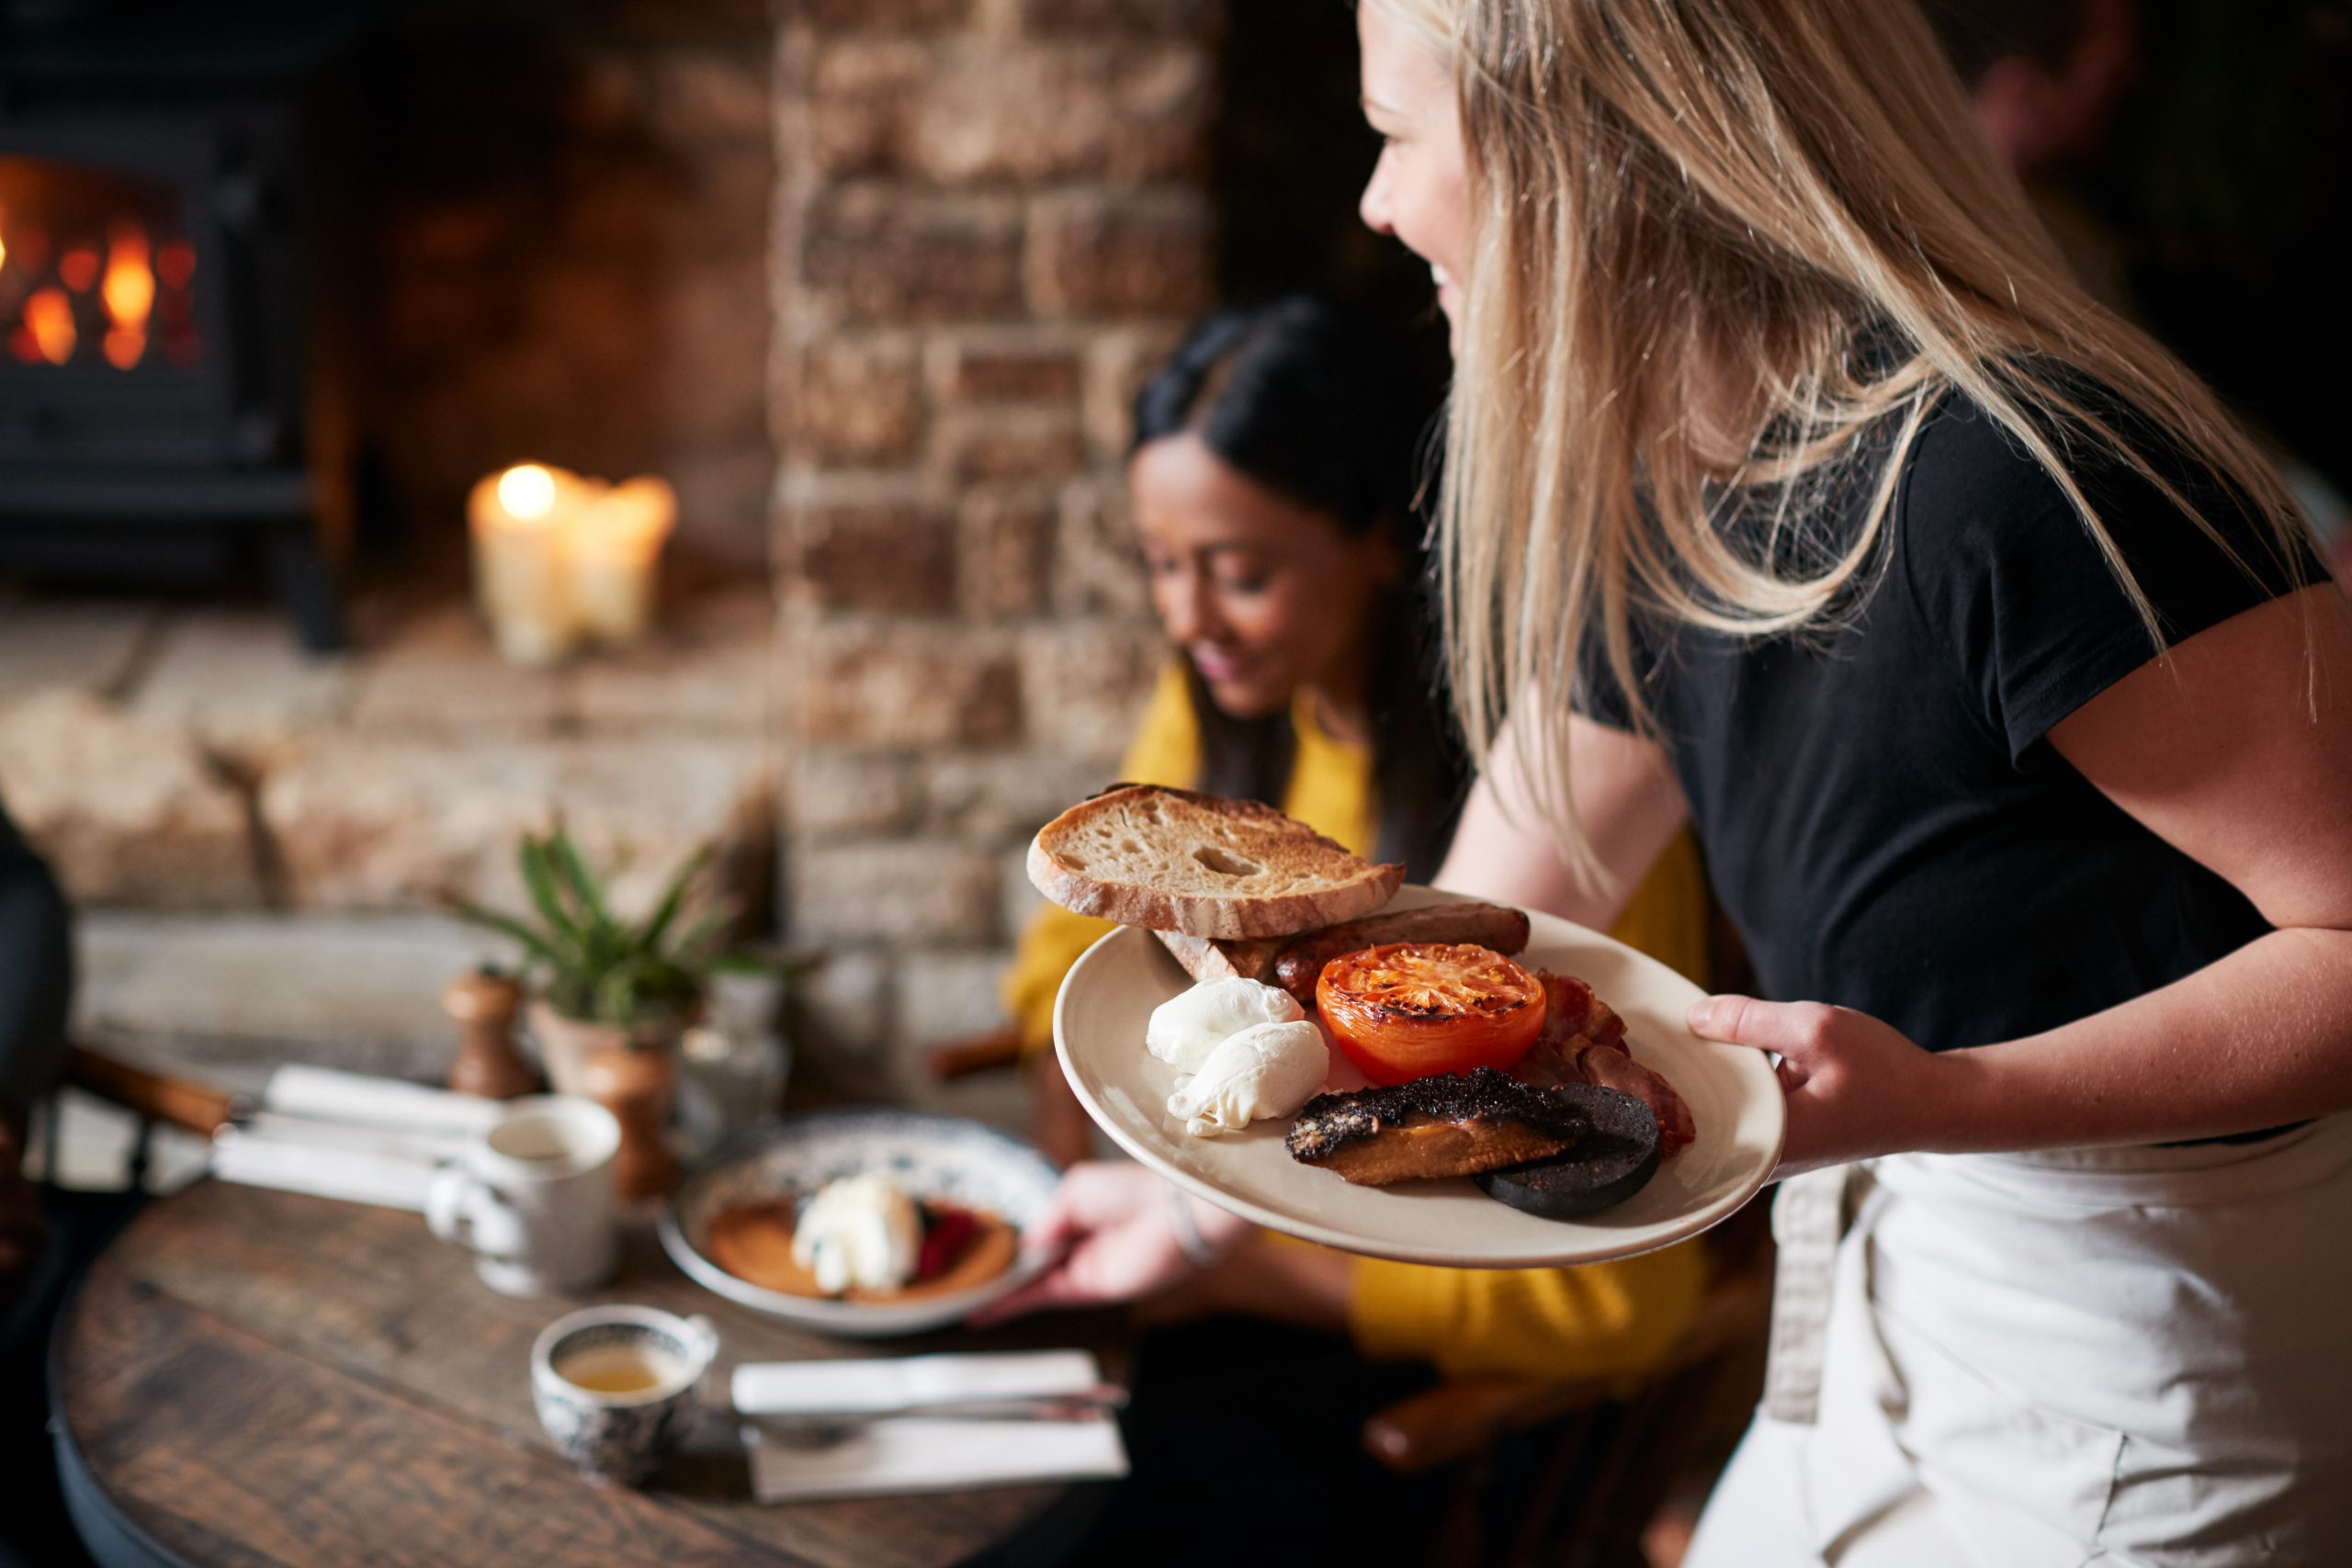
[(1272, 481)]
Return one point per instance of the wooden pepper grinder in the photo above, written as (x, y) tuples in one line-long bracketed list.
[(483, 1005), (637, 1086)]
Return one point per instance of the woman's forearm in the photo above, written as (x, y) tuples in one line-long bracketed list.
[(2257, 1039), (1626, 799), (1496, 857)]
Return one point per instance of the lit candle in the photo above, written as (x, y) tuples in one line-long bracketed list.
[(614, 547), (520, 528)]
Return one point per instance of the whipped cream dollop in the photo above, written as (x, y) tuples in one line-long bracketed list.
[(1268, 1069), (861, 1231), (1187, 1028)]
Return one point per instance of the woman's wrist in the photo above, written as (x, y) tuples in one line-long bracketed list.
[(1189, 1240), (1967, 1108), (1204, 1232)]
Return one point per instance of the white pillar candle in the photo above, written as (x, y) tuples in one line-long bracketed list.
[(615, 552), (520, 521)]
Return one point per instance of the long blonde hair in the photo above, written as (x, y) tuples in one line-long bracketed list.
[(1672, 198)]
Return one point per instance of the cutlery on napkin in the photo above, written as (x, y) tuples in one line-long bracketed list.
[(326, 1095), (875, 1388), (355, 1176), (1101, 1400), (407, 1143), (347, 1135), (926, 1424)]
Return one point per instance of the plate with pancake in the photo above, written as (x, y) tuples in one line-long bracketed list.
[(1733, 1101), (974, 1191)]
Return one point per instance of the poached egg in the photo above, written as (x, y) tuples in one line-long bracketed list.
[(861, 1231), (1267, 1069), (1187, 1028)]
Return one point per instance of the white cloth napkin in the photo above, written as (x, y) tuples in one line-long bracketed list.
[(347, 1135), (920, 1454), (851, 1387), (916, 1452), (355, 1176), (428, 1144), (332, 1096)]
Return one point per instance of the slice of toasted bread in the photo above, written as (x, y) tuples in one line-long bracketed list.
[(1175, 860)]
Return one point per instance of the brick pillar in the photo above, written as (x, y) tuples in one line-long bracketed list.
[(992, 218)]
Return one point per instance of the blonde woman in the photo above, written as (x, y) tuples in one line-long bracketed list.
[(1794, 492)]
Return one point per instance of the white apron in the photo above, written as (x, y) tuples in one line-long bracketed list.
[(2133, 1356)]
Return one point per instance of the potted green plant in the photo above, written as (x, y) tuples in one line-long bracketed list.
[(598, 982), (610, 997)]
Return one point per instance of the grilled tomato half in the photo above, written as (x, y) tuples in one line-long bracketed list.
[(1411, 1008)]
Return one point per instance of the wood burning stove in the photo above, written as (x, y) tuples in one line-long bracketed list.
[(166, 399)]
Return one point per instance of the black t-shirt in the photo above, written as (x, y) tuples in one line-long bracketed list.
[(1884, 820)]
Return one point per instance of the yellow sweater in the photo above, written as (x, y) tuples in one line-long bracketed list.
[(1593, 1321)]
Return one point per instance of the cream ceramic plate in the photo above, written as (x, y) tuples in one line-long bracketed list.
[(1098, 1031)]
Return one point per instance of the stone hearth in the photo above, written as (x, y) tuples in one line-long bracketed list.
[(259, 841)]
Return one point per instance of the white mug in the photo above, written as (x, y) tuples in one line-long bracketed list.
[(533, 1196), (619, 1428)]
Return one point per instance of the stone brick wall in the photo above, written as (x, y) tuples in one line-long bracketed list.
[(993, 216)]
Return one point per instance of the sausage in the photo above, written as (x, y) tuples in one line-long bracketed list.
[(1483, 925)]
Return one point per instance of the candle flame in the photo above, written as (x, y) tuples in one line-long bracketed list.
[(527, 490)]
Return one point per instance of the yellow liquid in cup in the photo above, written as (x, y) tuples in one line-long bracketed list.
[(618, 1369)]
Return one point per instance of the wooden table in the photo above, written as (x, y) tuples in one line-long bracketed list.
[(257, 1378)]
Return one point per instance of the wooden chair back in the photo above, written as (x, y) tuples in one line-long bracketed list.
[(155, 1098)]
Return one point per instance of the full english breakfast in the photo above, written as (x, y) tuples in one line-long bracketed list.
[(1479, 1064)]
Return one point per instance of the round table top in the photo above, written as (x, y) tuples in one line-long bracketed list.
[(256, 1377)]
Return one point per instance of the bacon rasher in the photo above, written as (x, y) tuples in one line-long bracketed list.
[(1583, 1040)]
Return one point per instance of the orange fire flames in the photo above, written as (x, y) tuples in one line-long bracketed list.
[(119, 297), (48, 321), (79, 267), (129, 291), (176, 262)]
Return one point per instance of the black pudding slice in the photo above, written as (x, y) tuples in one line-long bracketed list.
[(1613, 1159)]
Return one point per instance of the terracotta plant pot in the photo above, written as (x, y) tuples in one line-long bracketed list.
[(566, 1043)]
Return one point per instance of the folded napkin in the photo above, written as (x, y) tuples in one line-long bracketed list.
[(330, 1096), (922, 1453), (355, 1176), (865, 1387), (428, 1144), (803, 1458), (364, 1140)]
